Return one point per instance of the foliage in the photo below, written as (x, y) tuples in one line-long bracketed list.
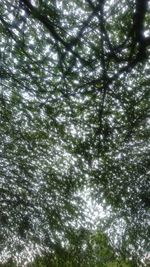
[(74, 107), (85, 249)]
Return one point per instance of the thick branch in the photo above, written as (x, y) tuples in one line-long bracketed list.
[(141, 8)]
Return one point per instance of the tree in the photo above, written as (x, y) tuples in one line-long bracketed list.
[(74, 114), (84, 249)]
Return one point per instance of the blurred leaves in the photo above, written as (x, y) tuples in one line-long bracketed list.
[(74, 117)]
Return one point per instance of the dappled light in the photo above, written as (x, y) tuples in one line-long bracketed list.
[(75, 128)]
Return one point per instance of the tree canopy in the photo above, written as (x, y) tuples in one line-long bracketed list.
[(74, 107)]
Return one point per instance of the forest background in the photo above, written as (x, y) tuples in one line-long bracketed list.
[(75, 129)]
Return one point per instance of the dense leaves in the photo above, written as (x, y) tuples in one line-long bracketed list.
[(84, 249), (74, 107)]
